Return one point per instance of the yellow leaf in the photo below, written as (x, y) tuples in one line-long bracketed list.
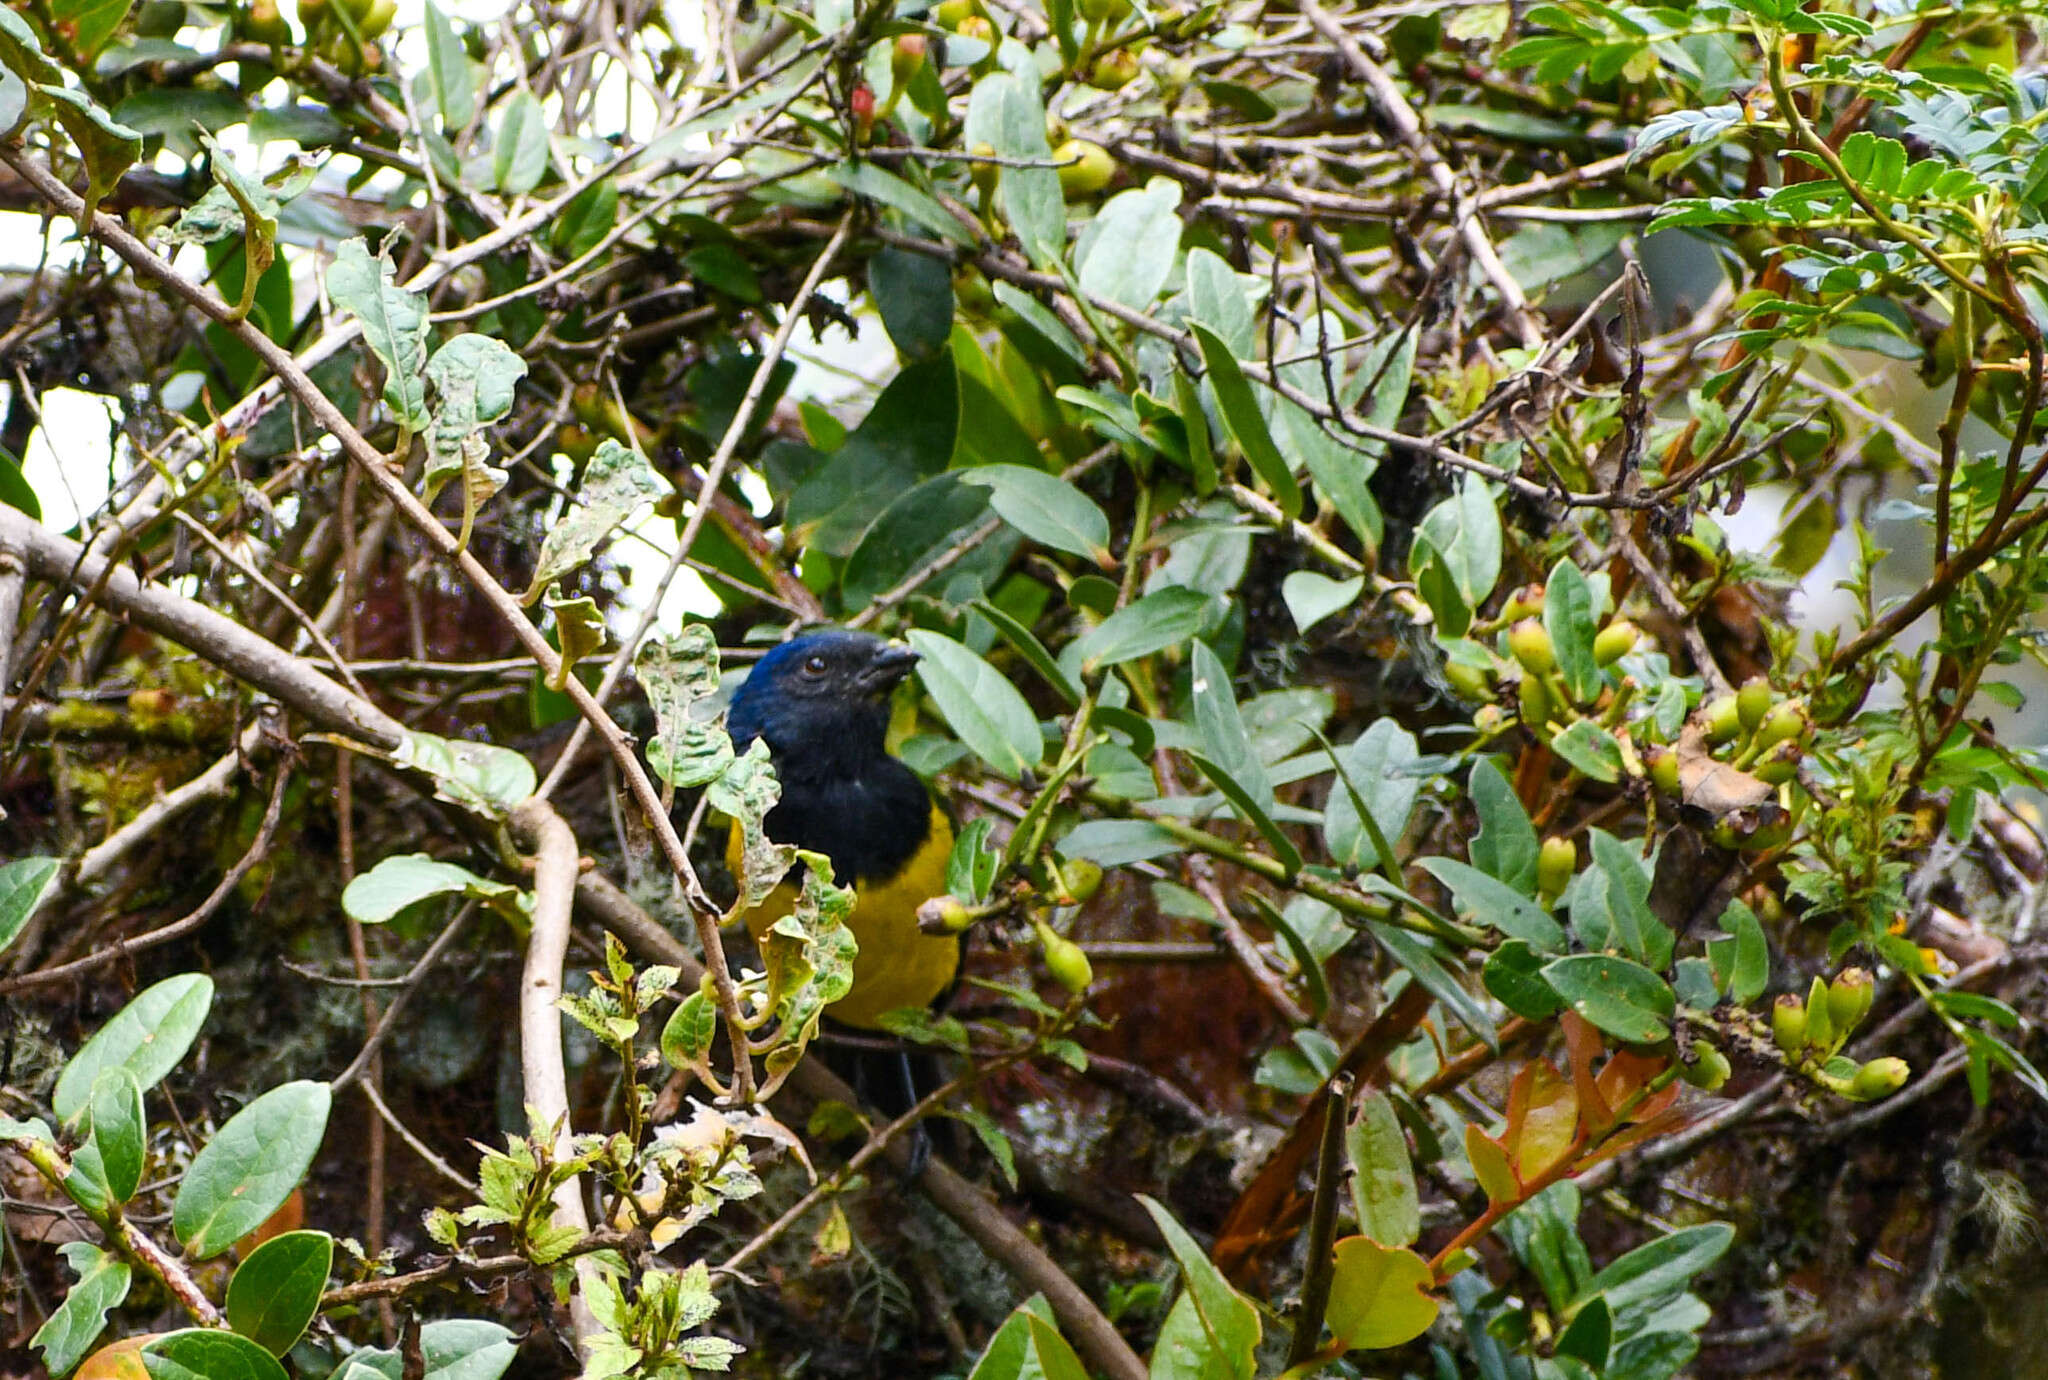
[(1490, 1165), (1379, 1296), (1543, 1119)]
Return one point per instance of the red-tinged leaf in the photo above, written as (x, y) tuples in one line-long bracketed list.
[(1543, 1120), (1583, 1044), (1626, 1074), (1490, 1166), (1671, 1119)]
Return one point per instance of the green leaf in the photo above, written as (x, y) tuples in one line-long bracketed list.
[(1046, 508), (1497, 905), (1636, 927), (1590, 1336), (119, 1131), (1513, 976), (276, 1292), (1118, 842), (1590, 749), (1311, 598), (1220, 298), (1506, 846), (21, 51), (1652, 1273), (475, 380), (924, 522), (979, 703), (1383, 1178), (76, 1323), (1376, 764), (456, 1349), (23, 884), (394, 327), (586, 220), (1742, 962), (1028, 1347), (250, 1167), (972, 865), (480, 777), (451, 76), (1419, 957), (1379, 1295), (404, 880), (680, 674), (1247, 424), (108, 147), (1568, 616), (1456, 555), (147, 1037), (908, 435), (206, 1353), (1221, 729), (1255, 812), (1006, 112), (992, 1140), (1625, 999), (16, 492), (1187, 401), (914, 293), (1218, 1335), (617, 483), (519, 154), (90, 22), (1126, 254), (691, 1028), (1164, 618), (1026, 644), (879, 184)]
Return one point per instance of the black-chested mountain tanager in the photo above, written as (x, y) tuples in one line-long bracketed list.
[(821, 703)]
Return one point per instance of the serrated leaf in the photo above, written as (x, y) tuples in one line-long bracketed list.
[(394, 327), (76, 1323), (679, 674), (617, 483)]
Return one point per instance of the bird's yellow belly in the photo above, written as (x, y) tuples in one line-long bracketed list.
[(898, 964)]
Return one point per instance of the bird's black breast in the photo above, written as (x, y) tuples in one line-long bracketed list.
[(869, 824)]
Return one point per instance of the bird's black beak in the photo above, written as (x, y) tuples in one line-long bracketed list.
[(887, 669)]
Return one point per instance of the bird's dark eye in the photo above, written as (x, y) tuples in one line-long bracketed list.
[(814, 666)]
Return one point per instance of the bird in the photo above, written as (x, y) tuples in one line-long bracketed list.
[(821, 704)]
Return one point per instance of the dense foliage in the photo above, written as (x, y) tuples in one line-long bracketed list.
[(1441, 899)]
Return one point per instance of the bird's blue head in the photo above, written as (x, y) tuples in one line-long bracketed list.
[(821, 702)]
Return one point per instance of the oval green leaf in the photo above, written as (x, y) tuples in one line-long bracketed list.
[(1625, 999), (206, 1353), (979, 703), (276, 1291), (250, 1167), (1046, 508), (148, 1038)]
